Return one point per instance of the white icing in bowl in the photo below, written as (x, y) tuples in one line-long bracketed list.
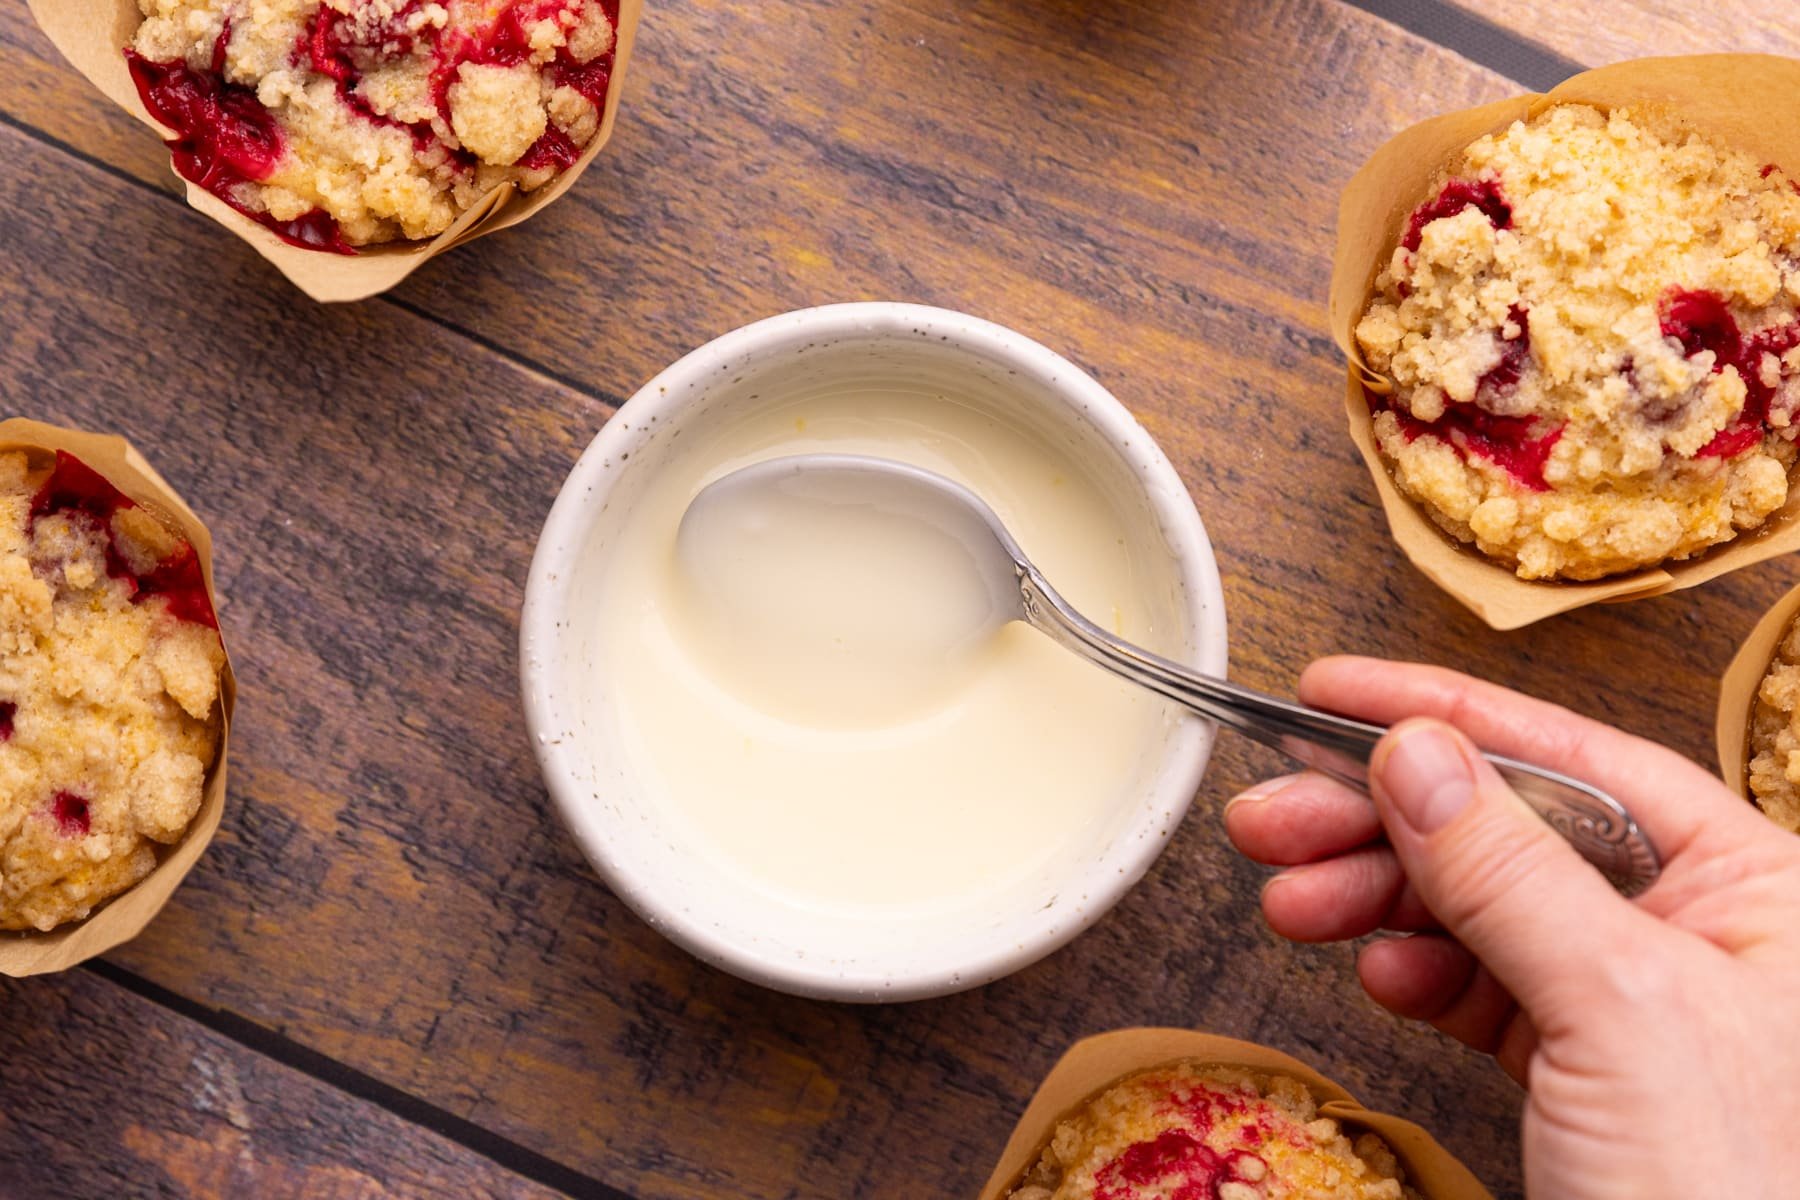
[(625, 712)]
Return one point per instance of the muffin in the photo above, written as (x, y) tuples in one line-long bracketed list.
[(110, 666), (1775, 735), (344, 123), (1591, 331), (1203, 1131)]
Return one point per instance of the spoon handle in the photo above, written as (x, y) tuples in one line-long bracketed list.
[(1596, 824)]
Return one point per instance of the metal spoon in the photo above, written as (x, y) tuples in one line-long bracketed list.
[(1596, 824)]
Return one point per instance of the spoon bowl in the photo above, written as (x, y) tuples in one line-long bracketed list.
[(843, 589)]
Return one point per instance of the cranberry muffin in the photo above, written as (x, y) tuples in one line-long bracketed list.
[(342, 123), (110, 665), (1591, 333), (1191, 1130), (1775, 735)]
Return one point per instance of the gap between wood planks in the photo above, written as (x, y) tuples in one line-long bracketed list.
[(261, 1040), (504, 1152), (1489, 45), (524, 363)]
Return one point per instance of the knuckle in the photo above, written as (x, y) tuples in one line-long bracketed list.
[(1547, 732), (1644, 982), (1618, 978)]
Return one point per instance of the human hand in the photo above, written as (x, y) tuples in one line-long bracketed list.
[(1656, 1038)]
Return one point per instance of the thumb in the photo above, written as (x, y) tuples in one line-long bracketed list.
[(1543, 921)]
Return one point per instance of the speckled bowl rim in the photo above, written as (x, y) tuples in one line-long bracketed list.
[(582, 503)]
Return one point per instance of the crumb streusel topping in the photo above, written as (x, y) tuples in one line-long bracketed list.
[(110, 664), (341, 123), (1195, 1132), (1775, 735), (1592, 334)]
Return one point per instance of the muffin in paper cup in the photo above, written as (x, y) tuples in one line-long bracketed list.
[(1723, 97), (121, 917), (1740, 701), (1094, 1065), (93, 34)]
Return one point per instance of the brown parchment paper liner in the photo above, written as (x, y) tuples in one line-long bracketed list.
[(122, 918), (1738, 688), (93, 34), (1737, 100), (1096, 1063)]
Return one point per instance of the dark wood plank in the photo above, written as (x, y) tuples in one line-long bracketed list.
[(1595, 32), (1149, 188), (106, 1094)]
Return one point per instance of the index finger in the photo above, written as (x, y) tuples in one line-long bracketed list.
[(1671, 797)]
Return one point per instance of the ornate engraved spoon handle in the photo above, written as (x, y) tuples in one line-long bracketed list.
[(1598, 826)]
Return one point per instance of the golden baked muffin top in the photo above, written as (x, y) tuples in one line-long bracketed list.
[(340, 123), (1189, 1131), (110, 665), (1591, 332)]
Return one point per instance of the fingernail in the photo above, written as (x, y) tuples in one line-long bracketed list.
[(1267, 790), (1274, 881), (1426, 777)]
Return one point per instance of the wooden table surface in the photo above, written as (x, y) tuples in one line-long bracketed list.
[(393, 974)]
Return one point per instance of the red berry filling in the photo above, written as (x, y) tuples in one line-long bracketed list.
[(71, 814), (225, 135), (8, 710), (1520, 446), (1458, 194), (504, 43), (75, 487), (1770, 168), (330, 45), (1701, 321), (555, 150), (1176, 1165), (1515, 352), (590, 78), (224, 138)]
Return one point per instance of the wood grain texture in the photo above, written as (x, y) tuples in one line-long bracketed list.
[(1148, 188), (1596, 32), (106, 1094)]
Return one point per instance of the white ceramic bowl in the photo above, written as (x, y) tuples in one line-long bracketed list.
[(620, 829)]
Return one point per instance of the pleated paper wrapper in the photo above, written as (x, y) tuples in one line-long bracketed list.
[(1738, 688), (1096, 1063), (1734, 100), (124, 916), (93, 34)]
